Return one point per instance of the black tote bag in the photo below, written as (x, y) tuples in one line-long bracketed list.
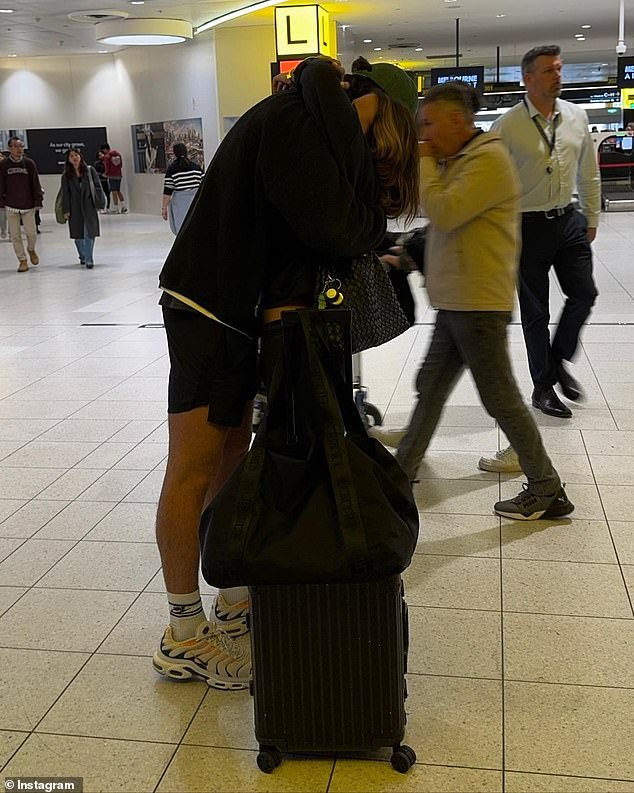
[(315, 500)]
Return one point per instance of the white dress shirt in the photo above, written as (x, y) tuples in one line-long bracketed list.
[(549, 179)]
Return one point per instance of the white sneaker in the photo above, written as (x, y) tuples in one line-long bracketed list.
[(232, 618), (389, 438), (211, 655), (505, 461)]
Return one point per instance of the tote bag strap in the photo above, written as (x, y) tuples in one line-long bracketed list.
[(91, 185), (344, 490)]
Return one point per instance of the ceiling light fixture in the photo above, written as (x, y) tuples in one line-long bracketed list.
[(581, 38), (6, 10), (367, 41), (418, 49), (239, 12), (500, 16), (586, 27), (378, 49), (143, 32)]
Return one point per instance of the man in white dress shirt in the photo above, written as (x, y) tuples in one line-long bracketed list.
[(551, 147)]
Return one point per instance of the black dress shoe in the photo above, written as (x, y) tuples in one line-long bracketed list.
[(569, 386), (550, 404)]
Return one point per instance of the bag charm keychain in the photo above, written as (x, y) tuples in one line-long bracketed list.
[(331, 294)]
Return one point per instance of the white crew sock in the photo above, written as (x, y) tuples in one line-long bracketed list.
[(234, 595), (186, 614)]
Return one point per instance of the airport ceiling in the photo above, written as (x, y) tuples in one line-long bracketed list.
[(415, 33)]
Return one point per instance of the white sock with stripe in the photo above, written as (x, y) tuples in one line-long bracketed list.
[(186, 614)]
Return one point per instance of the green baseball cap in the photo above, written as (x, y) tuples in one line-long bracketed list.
[(393, 80)]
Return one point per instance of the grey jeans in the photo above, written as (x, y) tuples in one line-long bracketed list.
[(476, 339)]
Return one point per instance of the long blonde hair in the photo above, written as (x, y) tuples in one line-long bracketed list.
[(393, 142)]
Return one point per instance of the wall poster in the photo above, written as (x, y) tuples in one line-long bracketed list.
[(152, 143)]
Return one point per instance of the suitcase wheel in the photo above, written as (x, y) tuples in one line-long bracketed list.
[(403, 759), (268, 759)]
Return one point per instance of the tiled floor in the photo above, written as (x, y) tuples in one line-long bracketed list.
[(522, 661)]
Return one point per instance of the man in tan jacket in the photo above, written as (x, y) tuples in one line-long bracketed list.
[(470, 193)]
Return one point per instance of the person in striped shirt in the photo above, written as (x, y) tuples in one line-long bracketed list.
[(182, 180)]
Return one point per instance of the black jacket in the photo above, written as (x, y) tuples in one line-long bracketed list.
[(292, 186), (77, 199)]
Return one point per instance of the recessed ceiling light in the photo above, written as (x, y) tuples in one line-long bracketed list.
[(6, 10), (500, 16), (103, 52), (137, 2), (13, 55), (586, 27), (605, 64), (419, 49), (581, 38), (367, 41), (143, 32), (378, 49)]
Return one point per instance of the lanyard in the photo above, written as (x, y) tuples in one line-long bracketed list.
[(549, 142)]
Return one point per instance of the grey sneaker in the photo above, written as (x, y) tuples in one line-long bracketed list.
[(529, 506), (505, 461)]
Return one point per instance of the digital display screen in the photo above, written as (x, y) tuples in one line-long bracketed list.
[(625, 72), (472, 75), (626, 144)]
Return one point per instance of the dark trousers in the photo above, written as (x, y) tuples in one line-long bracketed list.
[(561, 243), (476, 339)]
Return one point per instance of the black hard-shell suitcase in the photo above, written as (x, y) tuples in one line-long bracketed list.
[(329, 663)]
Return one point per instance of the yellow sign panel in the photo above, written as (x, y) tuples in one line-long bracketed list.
[(302, 30)]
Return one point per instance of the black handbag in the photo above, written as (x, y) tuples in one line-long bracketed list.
[(364, 287), (315, 500)]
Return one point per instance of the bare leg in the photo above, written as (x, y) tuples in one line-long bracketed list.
[(201, 458)]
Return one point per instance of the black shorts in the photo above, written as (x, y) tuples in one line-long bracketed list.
[(210, 365)]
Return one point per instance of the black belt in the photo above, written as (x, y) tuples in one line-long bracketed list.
[(550, 214)]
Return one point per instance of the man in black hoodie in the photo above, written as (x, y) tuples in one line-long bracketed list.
[(280, 197)]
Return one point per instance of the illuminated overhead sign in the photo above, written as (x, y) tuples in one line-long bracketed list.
[(301, 31), (625, 72), (472, 75)]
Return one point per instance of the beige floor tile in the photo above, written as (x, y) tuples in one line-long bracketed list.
[(8, 546), (604, 442), (74, 521), (27, 520), (576, 650), (40, 410), (459, 535), (8, 506), (105, 565), (112, 486), (127, 523), (578, 730), (71, 484), (624, 419), (454, 643), (613, 469), (357, 776), (618, 501), (148, 490), (63, 619), (31, 561), (31, 681), (453, 465), (224, 722), (464, 439), (628, 573), (140, 629), (594, 590), (199, 769), (562, 439), (455, 721), (106, 455), (584, 497), (38, 454), (78, 430), (23, 429), (119, 696), (453, 582), (136, 431), (21, 484), (546, 783), (106, 766), (571, 541), (9, 595), (144, 457), (583, 418), (9, 743), (623, 536), (451, 495)]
